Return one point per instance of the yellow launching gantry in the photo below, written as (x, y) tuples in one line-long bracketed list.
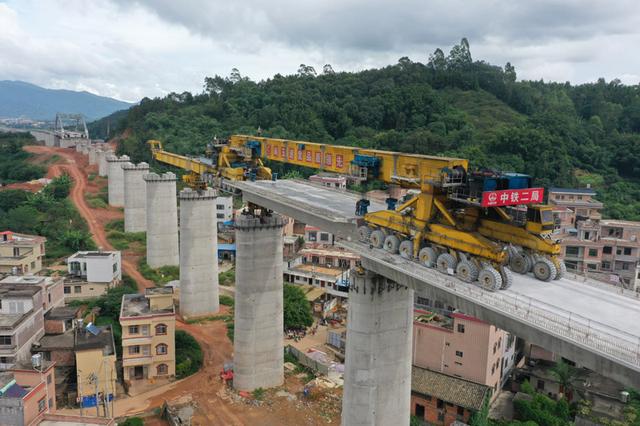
[(454, 221)]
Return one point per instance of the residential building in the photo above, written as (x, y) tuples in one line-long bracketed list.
[(607, 250), (61, 319), (462, 346), (313, 236), (224, 209), (52, 288), (441, 399), (292, 244), (26, 394), (21, 254), (92, 273), (21, 322), (572, 205), (333, 280), (330, 180), (95, 357), (148, 334), (331, 257)]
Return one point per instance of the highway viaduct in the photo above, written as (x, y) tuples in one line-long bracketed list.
[(588, 323)]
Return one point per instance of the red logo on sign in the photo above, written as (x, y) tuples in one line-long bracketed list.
[(512, 197), (339, 161), (309, 157)]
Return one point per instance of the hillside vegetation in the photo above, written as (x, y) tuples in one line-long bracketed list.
[(562, 134)]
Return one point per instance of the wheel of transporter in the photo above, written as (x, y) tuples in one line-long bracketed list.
[(561, 269), (377, 238), (467, 271), (364, 232), (544, 269), (446, 262), (427, 256), (490, 278), (507, 277), (406, 249), (391, 244), (519, 263)]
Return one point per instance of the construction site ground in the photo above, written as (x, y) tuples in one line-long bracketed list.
[(213, 403)]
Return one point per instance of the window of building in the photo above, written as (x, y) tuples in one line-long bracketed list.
[(587, 235), (572, 250), (220, 215), (144, 329), (494, 347), (592, 266), (625, 266), (440, 403), (579, 197), (5, 340), (423, 301), (458, 363), (460, 328), (162, 369), (161, 329), (493, 369), (419, 411), (459, 353), (607, 250), (33, 265), (134, 329), (115, 267), (571, 264), (312, 236), (460, 411), (605, 266), (441, 416), (16, 251), (324, 237), (77, 289), (134, 350), (220, 206), (619, 251), (627, 251), (161, 349), (593, 252), (49, 379), (67, 289), (42, 404)]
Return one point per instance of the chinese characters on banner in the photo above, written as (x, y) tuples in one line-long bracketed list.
[(512, 197)]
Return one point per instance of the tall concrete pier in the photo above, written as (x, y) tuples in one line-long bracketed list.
[(92, 155), (103, 165), (162, 220), (198, 253), (377, 380), (258, 336), (135, 197), (115, 185)]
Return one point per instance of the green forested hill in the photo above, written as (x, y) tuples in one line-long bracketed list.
[(562, 134)]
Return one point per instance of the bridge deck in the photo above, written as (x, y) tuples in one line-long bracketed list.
[(590, 317)]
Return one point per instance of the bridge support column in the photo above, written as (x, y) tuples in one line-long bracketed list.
[(258, 344), (377, 380), (162, 220), (198, 253), (135, 197), (115, 183)]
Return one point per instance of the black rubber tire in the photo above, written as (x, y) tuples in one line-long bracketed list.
[(427, 257), (544, 269), (490, 279), (561, 269), (467, 271), (507, 277), (406, 249), (445, 262), (377, 238), (391, 244), (519, 264), (364, 232)]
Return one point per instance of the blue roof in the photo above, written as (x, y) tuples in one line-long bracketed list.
[(226, 247), (15, 391)]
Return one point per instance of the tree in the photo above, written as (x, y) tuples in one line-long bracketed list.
[(327, 69), (306, 71), (510, 72), (460, 55), (437, 61), (566, 375), (297, 310)]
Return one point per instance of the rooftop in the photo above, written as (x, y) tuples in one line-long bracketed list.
[(94, 338), (620, 223), (460, 392), (62, 313), (317, 270), (334, 251), (56, 341), (86, 254), (589, 191), (10, 321), (15, 238), (134, 305), (17, 290)]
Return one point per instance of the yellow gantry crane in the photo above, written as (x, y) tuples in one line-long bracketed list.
[(459, 222)]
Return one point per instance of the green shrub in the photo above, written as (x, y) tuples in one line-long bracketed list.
[(188, 354), (161, 275), (227, 278), (226, 300), (297, 310), (132, 421), (258, 393)]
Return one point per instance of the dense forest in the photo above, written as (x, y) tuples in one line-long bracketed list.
[(14, 166), (562, 134)]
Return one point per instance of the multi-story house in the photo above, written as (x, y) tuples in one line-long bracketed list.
[(330, 180), (315, 237), (27, 394), (52, 288), (21, 322), (21, 254), (571, 205), (224, 209), (463, 346), (148, 334), (95, 354), (92, 273)]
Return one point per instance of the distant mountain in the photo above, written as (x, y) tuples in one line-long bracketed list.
[(18, 98)]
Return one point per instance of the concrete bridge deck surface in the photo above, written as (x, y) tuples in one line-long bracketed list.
[(589, 324)]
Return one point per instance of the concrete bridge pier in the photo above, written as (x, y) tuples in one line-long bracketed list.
[(115, 184), (377, 379), (258, 343), (103, 164), (92, 155), (162, 220), (135, 197), (199, 292)]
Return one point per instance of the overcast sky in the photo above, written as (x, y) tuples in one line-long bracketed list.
[(129, 49)]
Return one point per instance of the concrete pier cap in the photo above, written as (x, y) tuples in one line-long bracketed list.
[(199, 291)]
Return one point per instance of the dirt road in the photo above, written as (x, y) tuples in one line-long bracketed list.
[(76, 165)]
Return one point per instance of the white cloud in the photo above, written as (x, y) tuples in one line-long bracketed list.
[(130, 49)]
